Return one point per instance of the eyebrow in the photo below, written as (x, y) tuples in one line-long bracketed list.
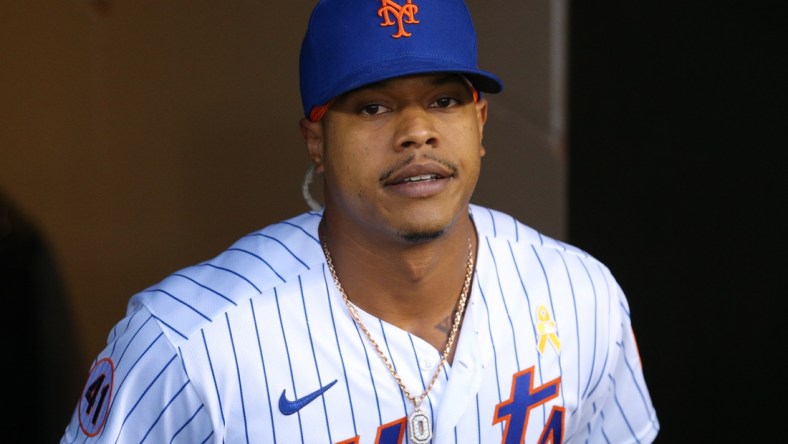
[(436, 79)]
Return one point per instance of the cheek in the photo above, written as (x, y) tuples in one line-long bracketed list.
[(352, 170), (467, 136)]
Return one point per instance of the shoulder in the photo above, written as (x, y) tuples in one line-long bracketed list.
[(499, 227), (195, 296), (509, 248)]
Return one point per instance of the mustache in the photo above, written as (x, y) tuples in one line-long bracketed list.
[(410, 159)]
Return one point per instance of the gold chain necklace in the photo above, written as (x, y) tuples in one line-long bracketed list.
[(419, 424)]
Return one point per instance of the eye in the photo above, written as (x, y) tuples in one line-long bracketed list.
[(373, 109), (445, 102)]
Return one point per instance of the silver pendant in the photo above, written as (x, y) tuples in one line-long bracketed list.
[(419, 427)]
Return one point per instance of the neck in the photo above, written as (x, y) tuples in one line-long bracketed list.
[(413, 286)]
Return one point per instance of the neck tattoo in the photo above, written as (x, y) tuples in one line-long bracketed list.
[(419, 423)]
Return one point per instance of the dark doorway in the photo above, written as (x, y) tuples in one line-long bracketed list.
[(676, 128)]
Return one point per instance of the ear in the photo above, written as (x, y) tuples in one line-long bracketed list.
[(312, 132), (481, 119)]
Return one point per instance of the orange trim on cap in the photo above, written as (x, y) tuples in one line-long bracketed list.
[(318, 112), (473, 89)]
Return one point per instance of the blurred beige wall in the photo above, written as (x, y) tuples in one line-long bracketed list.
[(146, 136)]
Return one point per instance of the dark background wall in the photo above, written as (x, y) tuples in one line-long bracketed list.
[(676, 132)]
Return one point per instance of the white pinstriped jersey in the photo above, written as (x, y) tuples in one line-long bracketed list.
[(257, 346)]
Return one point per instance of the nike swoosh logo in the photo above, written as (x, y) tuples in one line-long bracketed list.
[(288, 407)]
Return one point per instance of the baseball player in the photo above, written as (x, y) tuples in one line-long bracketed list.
[(397, 311)]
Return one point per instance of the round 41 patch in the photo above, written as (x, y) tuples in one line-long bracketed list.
[(95, 400)]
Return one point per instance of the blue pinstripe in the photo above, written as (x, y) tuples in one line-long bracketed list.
[(240, 250), (506, 308), (234, 273), (213, 376), (238, 373), (361, 340), (404, 400), (265, 373), (182, 302), (339, 349), (289, 362), (494, 348), (183, 427), (584, 392), (577, 326), (162, 412), (314, 355)]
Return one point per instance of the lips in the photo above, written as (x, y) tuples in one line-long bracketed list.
[(419, 173), (422, 178)]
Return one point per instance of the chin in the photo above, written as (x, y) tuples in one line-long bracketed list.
[(418, 237), (425, 227)]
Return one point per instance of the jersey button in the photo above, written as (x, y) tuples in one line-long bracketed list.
[(426, 363)]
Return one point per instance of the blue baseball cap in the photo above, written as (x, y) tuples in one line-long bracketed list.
[(353, 43)]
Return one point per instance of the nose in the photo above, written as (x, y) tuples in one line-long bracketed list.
[(415, 129)]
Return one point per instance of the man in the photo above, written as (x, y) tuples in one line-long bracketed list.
[(398, 312)]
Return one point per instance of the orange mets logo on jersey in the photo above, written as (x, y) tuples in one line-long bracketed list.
[(402, 14)]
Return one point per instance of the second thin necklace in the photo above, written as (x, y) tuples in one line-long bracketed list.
[(419, 423)]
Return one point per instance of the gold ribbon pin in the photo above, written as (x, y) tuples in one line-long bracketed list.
[(546, 330)]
